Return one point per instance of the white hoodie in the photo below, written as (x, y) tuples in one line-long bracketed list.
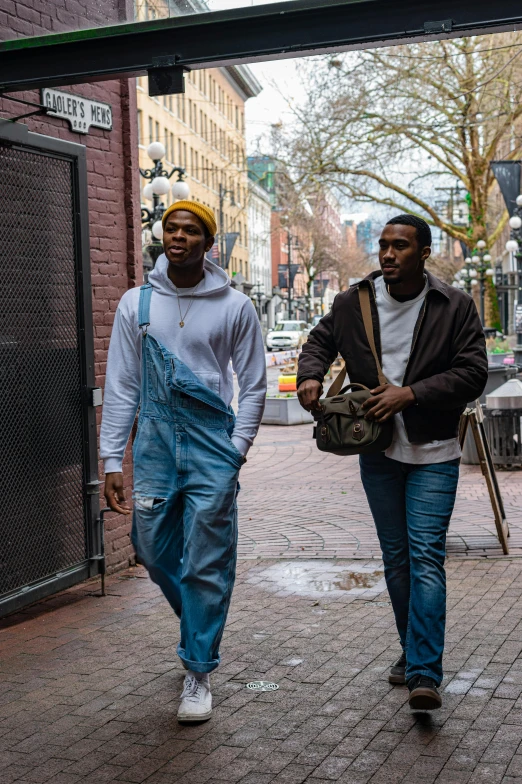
[(221, 325)]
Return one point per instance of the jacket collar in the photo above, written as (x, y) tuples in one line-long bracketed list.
[(433, 282)]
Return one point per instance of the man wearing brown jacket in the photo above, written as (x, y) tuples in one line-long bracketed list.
[(432, 351)]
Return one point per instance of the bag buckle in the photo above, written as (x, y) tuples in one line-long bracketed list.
[(358, 431)]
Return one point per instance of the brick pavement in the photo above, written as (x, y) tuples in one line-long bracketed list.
[(89, 685), (297, 501)]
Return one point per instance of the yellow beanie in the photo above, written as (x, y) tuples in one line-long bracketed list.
[(204, 213)]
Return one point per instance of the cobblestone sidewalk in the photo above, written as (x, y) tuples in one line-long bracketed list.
[(89, 688), (297, 501)]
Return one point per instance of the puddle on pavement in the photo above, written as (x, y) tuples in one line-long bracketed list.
[(347, 581), (320, 577)]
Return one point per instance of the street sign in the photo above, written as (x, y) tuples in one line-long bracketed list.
[(81, 113)]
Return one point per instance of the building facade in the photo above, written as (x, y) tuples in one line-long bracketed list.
[(260, 252), (203, 131)]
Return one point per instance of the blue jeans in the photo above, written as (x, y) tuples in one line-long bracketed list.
[(185, 486), (412, 506)]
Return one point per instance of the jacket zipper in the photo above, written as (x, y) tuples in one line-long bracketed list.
[(416, 335)]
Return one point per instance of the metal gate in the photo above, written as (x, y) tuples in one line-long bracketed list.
[(48, 471)]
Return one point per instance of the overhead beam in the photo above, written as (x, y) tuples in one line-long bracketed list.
[(243, 35)]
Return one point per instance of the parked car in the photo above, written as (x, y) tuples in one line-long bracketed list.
[(287, 335), (315, 320)]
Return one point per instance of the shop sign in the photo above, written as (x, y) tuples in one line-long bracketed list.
[(80, 112)]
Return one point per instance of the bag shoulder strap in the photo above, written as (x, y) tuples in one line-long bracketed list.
[(337, 385), (144, 305), (364, 300)]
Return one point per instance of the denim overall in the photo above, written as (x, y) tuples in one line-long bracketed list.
[(185, 486)]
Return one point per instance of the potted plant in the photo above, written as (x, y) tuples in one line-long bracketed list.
[(498, 350)]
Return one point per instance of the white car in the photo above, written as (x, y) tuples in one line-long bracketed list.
[(287, 335)]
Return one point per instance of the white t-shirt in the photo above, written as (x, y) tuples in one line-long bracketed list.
[(397, 322)]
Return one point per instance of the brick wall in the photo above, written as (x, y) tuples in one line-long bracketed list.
[(113, 182)]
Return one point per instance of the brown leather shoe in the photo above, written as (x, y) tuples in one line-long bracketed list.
[(423, 693)]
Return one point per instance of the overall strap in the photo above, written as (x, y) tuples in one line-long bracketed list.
[(364, 300), (144, 306)]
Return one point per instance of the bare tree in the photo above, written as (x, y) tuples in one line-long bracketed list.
[(390, 125)]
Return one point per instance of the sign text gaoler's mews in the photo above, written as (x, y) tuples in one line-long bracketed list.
[(80, 112)]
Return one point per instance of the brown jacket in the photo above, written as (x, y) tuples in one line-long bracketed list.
[(447, 368)]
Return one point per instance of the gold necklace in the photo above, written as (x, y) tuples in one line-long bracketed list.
[(181, 317)]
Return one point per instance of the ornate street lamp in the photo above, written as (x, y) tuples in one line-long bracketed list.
[(476, 270), (482, 265), (466, 277), (513, 245), (158, 185)]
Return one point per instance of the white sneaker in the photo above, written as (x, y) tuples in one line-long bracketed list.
[(196, 699)]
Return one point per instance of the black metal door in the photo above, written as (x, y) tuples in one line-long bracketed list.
[(47, 460)]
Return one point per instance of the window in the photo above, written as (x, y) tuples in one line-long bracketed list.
[(172, 149), (140, 128), (180, 156), (170, 103), (164, 101), (151, 137), (196, 165), (237, 116), (156, 125), (192, 172), (190, 112), (184, 155)]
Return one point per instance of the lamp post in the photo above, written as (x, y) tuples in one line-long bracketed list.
[(223, 193), (476, 270), (466, 277), (513, 245), (158, 185), (290, 238), (259, 297), (482, 262)]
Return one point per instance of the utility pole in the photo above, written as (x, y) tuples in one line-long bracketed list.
[(289, 240)]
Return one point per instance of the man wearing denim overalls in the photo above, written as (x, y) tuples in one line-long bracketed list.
[(170, 354)]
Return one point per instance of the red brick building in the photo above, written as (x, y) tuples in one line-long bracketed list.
[(112, 180)]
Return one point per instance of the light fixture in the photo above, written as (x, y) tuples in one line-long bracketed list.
[(160, 185), (475, 259), (512, 246), (515, 222), (467, 260), (474, 281), (489, 271), (157, 230), (148, 192), (519, 201), (456, 284), (156, 151), (481, 244), (487, 257), (180, 190)]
